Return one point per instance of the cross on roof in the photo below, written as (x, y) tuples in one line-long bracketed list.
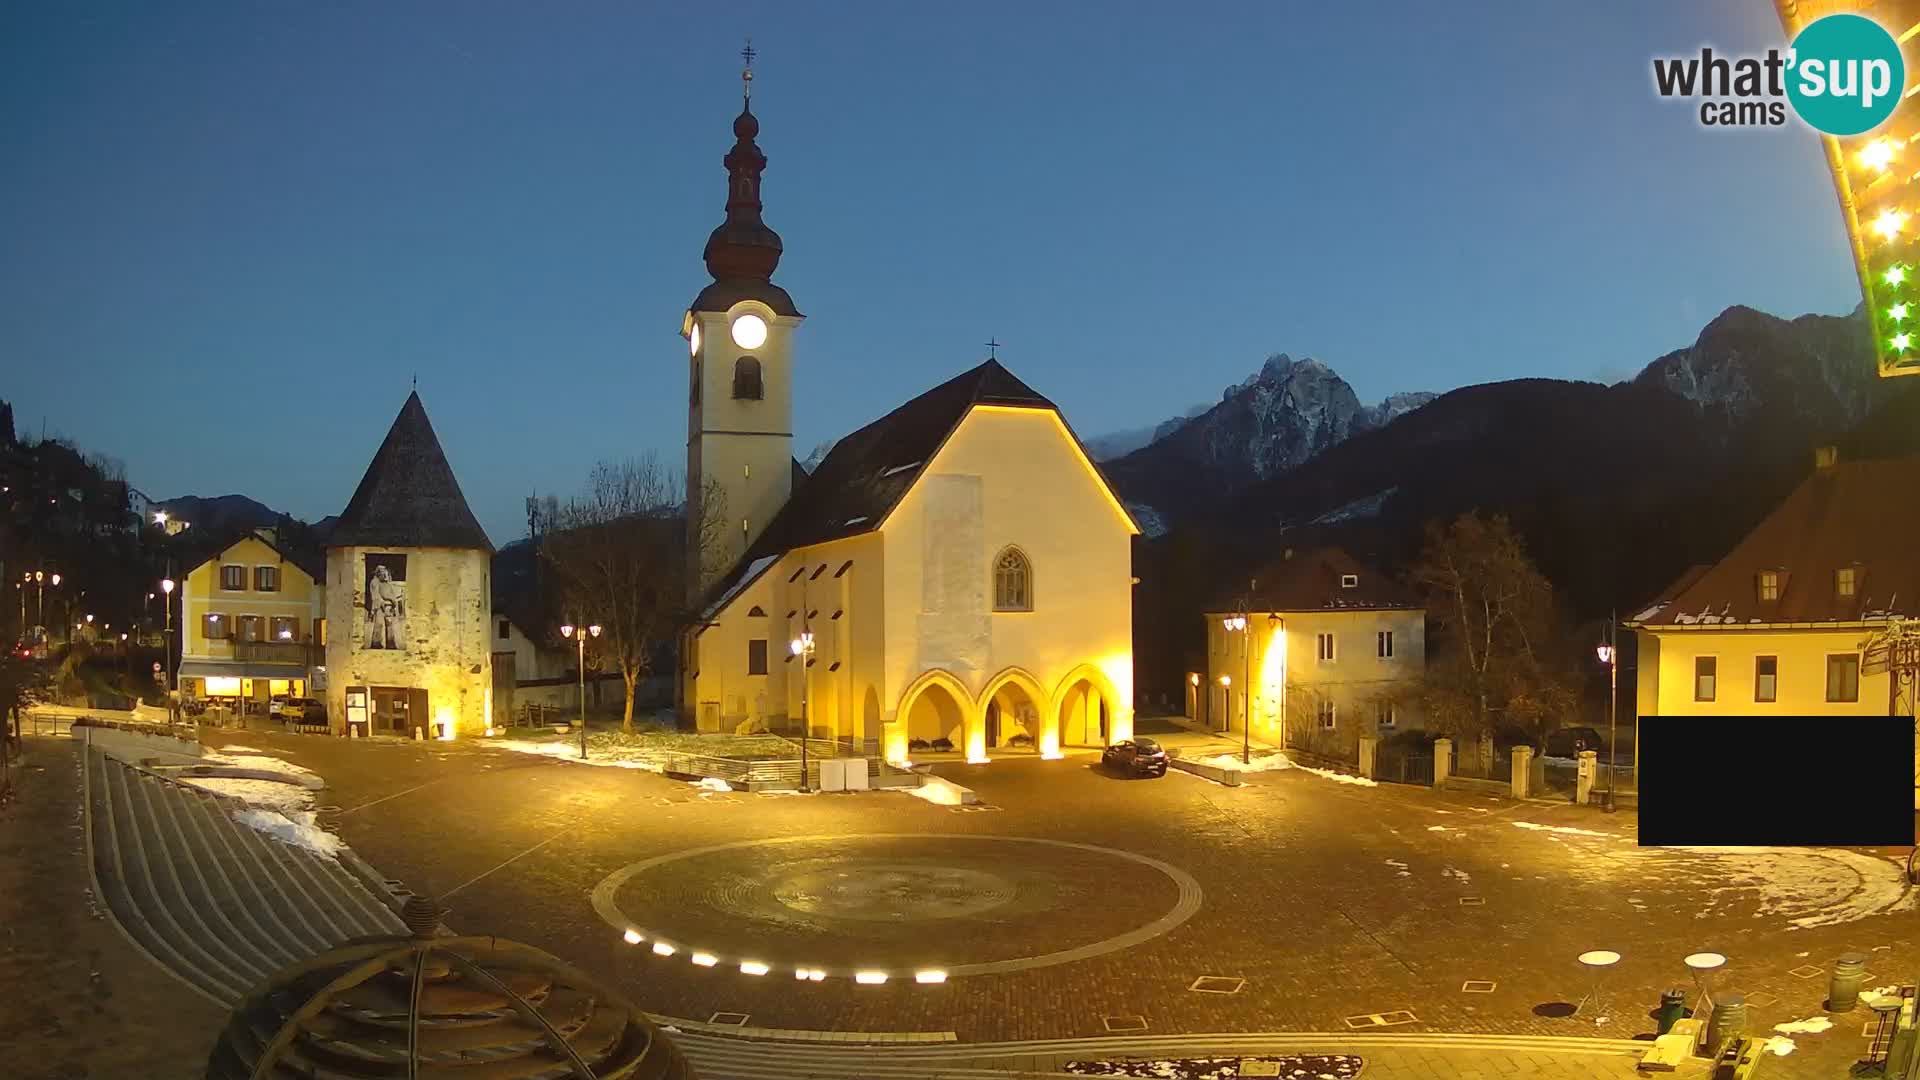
[(746, 73), (993, 349)]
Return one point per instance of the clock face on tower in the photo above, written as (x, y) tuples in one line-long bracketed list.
[(749, 331), (693, 339)]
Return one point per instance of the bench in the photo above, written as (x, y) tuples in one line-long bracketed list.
[(1675, 1048)]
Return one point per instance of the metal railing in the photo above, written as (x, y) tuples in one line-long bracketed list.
[(274, 652)]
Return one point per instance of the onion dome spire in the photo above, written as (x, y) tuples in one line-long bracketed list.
[(743, 248)]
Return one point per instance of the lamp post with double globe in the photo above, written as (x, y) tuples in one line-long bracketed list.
[(802, 647), (1610, 656), (580, 634)]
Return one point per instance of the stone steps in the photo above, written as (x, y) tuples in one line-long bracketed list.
[(221, 905)]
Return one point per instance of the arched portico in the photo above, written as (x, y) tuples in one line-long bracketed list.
[(935, 706), (1088, 711), (1014, 703)]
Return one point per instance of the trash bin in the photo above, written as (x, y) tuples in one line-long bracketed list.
[(1727, 1023), (1848, 973), (1673, 1008)]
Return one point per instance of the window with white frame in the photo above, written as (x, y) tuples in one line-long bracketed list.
[(286, 628), (266, 579), (1323, 648), (1846, 581), (214, 627), (249, 628), (1383, 644), (233, 578), (1769, 584), (1384, 715), (1326, 714)]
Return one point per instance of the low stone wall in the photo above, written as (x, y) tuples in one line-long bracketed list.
[(1229, 777), (128, 744), (951, 793)]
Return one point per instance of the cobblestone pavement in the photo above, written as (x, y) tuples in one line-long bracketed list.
[(1336, 904)]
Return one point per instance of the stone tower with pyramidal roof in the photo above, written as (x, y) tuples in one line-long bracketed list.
[(408, 596)]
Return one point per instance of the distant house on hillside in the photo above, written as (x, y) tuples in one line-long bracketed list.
[(1794, 619), (1332, 650)]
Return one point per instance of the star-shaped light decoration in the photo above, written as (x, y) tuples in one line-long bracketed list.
[(1889, 223), (1900, 342), (1877, 155), (1897, 312), (1894, 275)]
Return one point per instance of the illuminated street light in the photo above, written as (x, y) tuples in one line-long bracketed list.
[(580, 634), (1610, 656), (802, 647)]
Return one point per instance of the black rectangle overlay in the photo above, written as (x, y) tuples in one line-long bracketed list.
[(1776, 781)]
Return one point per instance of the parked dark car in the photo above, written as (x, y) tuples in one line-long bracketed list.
[(1568, 742), (1136, 757)]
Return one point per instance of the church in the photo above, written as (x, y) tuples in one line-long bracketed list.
[(955, 575)]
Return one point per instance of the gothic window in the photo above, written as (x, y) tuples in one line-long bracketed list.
[(1012, 582), (746, 379)]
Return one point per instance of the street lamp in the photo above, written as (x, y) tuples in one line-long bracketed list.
[(166, 683), (1610, 657), (802, 647), (1237, 623), (580, 634)]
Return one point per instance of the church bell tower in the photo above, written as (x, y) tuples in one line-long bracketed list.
[(739, 333)]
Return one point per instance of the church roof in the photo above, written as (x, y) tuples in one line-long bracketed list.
[(409, 498), (866, 474)]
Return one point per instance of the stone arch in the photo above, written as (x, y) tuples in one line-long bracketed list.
[(1078, 709), (934, 705), (1042, 727)]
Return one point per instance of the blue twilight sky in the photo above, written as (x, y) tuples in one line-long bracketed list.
[(231, 232)]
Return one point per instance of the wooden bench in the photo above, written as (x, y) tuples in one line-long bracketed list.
[(1675, 1048)]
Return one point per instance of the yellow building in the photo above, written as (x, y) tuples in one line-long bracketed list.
[(1330, 650), (1793, 620), (961, 569), (251, 623)]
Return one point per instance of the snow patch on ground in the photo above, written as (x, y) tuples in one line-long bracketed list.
[(1808, 887), (711, 783), (1438, 828), (570, 751), (1565, 830), (1780, 1046), (271, 794), (262, 763), (297, 829), (1460, 876), (1812, 1025)]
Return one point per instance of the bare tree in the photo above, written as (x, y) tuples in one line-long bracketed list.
[(619, 553), (1498, 629)]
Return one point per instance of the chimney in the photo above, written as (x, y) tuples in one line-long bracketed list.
[(1826, 457)]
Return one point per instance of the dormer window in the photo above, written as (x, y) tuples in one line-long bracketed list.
[(1349, 581), (1846, 581), (746, 379), (1769, 584)]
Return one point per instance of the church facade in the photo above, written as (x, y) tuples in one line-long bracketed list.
[(955, 575)]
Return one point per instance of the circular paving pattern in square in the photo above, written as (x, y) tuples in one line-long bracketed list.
[(897, 903)]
